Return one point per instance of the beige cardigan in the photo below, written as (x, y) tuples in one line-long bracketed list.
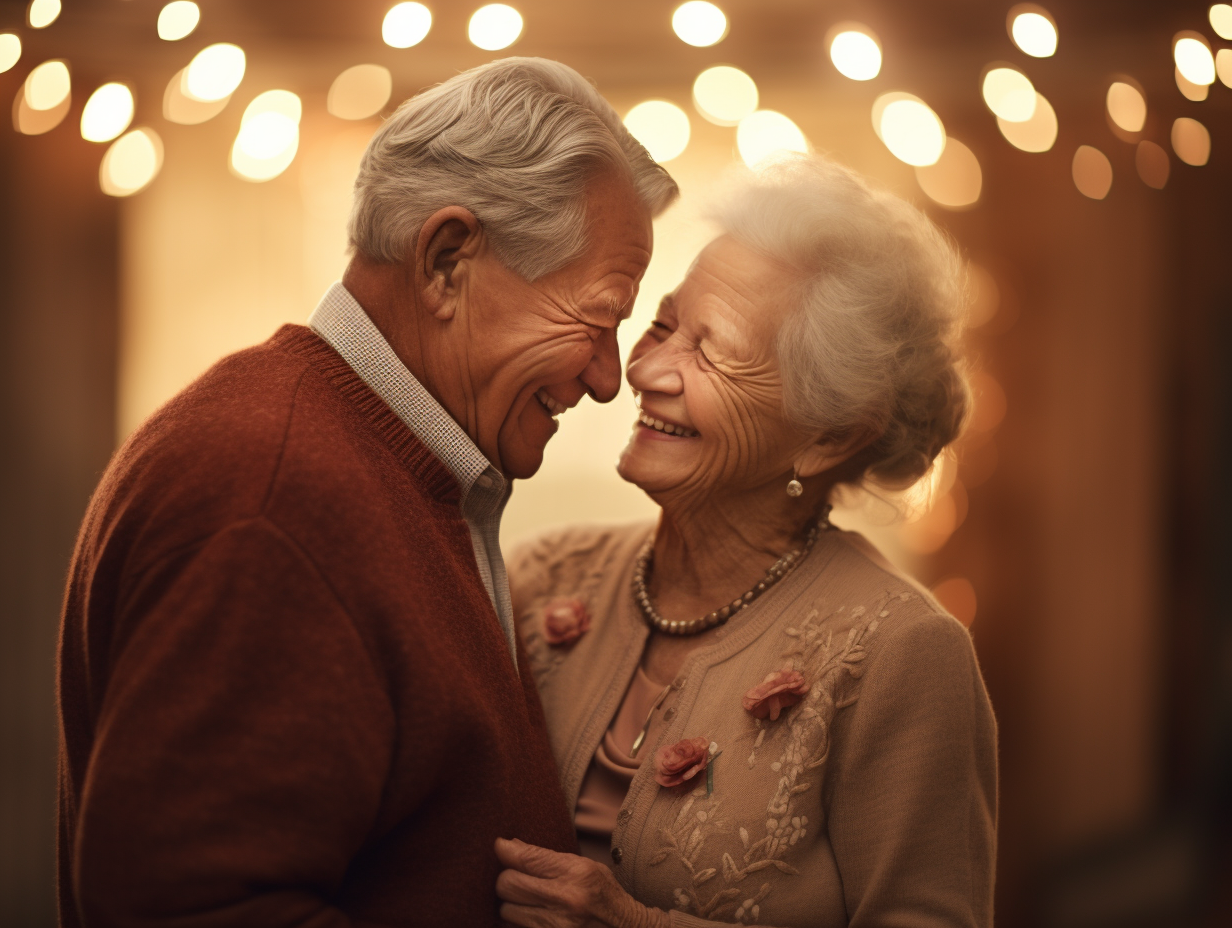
[(871, 803)]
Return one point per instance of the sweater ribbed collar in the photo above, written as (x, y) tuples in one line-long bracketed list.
[(432, 472)]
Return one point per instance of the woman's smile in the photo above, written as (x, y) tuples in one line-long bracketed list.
[(663, 428)]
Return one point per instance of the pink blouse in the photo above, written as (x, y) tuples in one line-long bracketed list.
[(607, 781)]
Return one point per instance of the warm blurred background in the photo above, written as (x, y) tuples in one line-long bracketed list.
[(159, 208)]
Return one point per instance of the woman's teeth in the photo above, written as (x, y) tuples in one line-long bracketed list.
[(554, 408), (660, 426)]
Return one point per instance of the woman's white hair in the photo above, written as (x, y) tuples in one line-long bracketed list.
[(870, 346), (514, 141)]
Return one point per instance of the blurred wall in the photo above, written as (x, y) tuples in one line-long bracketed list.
[(58, 309)]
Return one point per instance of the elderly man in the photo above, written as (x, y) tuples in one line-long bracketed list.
[(290, 690)]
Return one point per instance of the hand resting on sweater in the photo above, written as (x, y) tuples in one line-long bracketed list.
[(546, 889)]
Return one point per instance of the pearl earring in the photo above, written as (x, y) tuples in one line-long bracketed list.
[(794, 486)]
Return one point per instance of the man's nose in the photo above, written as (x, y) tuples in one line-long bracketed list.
[(602, 374)]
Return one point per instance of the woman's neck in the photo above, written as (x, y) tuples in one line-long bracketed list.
[(721, 547)]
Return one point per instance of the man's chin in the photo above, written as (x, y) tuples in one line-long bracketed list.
[(522, 456), (522, 442)]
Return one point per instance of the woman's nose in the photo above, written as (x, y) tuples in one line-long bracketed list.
[(655, 370)]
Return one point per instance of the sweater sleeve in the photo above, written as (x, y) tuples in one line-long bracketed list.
[(241, 748), (912, 807)]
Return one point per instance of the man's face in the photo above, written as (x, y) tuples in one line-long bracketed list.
[(535, 349)]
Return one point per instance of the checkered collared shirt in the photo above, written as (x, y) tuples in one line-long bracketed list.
[(342, 322)]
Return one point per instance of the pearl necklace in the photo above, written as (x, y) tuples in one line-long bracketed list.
[(778, 570)]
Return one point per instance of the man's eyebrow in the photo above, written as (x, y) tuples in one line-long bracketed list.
[(615, 308)]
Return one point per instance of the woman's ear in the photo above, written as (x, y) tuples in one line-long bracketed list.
[(449, 241), (828, 453)]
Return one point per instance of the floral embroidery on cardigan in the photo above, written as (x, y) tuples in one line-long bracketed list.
[(831, 667), (559, 565)]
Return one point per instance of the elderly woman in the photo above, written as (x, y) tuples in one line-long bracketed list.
[(757, 719)]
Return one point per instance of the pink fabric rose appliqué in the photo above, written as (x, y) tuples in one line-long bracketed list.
[(780, 690), (565, 620), (680, 762)]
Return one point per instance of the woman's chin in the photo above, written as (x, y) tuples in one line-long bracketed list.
[(647, 474)]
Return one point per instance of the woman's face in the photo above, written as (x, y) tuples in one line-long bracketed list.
[(706, 371)]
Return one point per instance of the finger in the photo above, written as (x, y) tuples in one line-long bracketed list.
[(527, 916), (519, 887), (532, 859)]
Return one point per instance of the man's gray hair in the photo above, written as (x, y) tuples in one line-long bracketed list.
[(870, 345), (514, 141)]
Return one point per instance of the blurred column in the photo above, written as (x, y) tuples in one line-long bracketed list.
[(58, 309)]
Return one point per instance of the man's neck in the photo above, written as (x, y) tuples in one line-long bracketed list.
[(388, 302)]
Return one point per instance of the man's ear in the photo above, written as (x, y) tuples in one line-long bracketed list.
[(448, 242), (828, 453)]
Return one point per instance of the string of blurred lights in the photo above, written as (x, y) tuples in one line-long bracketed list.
[(947, 170)]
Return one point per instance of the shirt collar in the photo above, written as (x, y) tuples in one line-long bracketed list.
[(346, 327)]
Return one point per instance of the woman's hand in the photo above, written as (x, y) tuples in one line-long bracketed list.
[(547, 889)]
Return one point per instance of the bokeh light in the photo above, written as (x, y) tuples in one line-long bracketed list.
[(989, 403), (178, 19), (131, 163), (856, 54), (494, 27), (406, 24), (662, 128), (282, 102), (957, 596), (1221, 20), (266, 136), (179, 107), (1092, 172), (215, 72), (765, 133), (910, 129), (269, 136), (107, 113), (1038, 133), (48, 85), (1191, 141), (1126, 106), (1194, 59), (955, 180), (724, 95), (1189, 90), (1033, 30), (35, 122), (985, 296), (359, 92), (1152, 164), (1223, 65), (1009, 94), (699, 23), (42, 13), (10, 51)]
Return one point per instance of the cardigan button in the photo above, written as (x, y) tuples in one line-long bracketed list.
[(623, 817), (669, 714), (617, 855)]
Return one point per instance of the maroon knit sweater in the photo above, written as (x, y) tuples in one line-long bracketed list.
[(285, 697)]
